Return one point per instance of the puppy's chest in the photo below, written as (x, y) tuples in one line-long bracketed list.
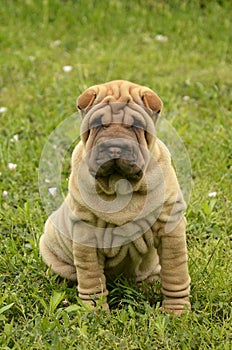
[(113, 236), (120, 211), (132, 249)]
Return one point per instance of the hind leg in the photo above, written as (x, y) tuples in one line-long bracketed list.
[(57, 265)]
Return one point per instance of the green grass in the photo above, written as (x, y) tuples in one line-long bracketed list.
[(105, 40)]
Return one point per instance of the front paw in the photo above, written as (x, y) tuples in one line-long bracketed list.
[(176, 307), (91, 305), (174, 312)]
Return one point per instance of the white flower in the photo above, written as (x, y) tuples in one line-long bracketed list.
[(3, 109), (31, 58), (56, 43), (28, 245), (161, 38), (4, 193), (52, 190), (212, 194), (15, 138), (47, 181), (186, 98), (67, 69), (12, 166), (65, 303)]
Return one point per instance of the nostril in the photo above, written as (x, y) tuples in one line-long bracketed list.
[(114, 152)]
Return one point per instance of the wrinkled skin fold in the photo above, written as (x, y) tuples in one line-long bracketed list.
[(123, 214)]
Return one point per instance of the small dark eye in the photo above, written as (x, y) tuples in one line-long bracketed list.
[(95, 122), (138, 124)]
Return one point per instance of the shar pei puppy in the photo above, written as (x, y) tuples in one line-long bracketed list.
[(124, 212)]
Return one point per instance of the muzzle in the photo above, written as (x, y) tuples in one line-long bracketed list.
[(119, 156)]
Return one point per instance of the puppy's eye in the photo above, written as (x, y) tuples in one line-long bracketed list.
[(138, 124), (95, 122)]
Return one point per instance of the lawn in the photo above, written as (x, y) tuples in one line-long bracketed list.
[(181, 50)]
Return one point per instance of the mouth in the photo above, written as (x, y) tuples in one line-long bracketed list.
[(126, 169), (119, 156)]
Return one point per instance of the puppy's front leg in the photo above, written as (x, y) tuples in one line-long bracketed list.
[(90, 274), (174, 270)]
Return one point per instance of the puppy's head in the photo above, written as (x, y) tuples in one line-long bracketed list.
[(120, 91), (118, 128)]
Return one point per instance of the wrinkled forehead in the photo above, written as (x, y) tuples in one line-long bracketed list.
[(119, 113)]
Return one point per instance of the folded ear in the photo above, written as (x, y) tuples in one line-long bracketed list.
[(86, 99), (152, 101)]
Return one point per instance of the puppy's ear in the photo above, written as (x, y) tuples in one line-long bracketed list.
[(152, 101), (86, 99)]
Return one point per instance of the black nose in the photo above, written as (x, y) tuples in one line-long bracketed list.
[(114, 152), (115, 149)]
